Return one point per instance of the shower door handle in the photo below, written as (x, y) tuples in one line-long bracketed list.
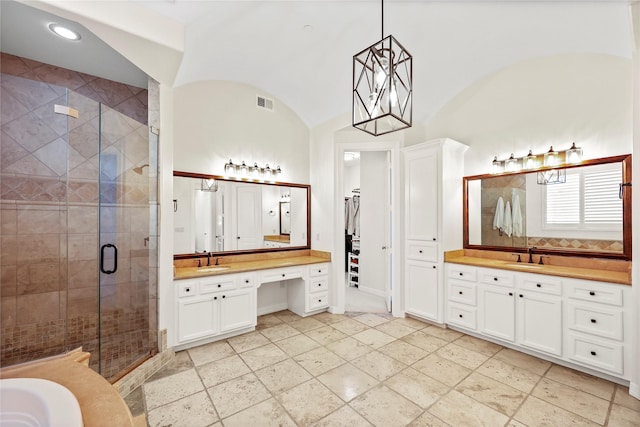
[(115, 258)]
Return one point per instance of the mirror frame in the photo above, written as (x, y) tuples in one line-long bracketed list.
[(250, 181), (625, 160)]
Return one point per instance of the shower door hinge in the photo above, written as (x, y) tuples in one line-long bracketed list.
[(67, 111)]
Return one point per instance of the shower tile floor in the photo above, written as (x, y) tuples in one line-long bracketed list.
[(364, 369)]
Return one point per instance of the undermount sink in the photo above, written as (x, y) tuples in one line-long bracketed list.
[(210, 269), (526, 265)]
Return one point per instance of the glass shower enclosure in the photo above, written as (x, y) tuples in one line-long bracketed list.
[(79, 209)]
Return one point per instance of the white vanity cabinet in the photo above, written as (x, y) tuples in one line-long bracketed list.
[(214, 305), (581, 322), (433, 181)]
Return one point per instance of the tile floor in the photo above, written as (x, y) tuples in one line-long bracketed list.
[(366, 369)]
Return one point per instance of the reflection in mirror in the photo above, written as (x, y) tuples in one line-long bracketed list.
[(221, 216), (584, 215)]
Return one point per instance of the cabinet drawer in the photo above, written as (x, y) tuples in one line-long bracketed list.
[(540, 283), (247, 280), (461, 272), (422, 251), (495, 277), (281, 274), (318, 301), (605, 322), (462, 292), (212, 284), (187, 289), (317, 284), (318, 270), (462, 316), (600, 354), (596, 292)]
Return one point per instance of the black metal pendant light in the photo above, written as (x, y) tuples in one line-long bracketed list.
[(382, 86)]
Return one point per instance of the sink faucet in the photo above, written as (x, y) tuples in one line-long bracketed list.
[(217, 261), (530, 250), (208, 259)]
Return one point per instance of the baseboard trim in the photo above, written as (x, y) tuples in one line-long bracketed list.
[(272, 308)]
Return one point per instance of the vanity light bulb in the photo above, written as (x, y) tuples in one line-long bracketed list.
[(496, 165), (511, 164), (229, 168), (573, 154), (551, 158), (256, 170), (530, 161), (243, 169)]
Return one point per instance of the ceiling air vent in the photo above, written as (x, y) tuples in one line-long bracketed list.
[(265, 103)]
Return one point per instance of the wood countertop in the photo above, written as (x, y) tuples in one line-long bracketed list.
[(245, 266), (100, 403), (583, 268)]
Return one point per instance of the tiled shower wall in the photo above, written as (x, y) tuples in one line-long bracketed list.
[(49, 210)]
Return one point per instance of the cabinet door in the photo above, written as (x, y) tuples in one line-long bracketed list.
[(422, 196), (497, 312), (540, 322), (237, 309), (197, 318), (422, 291)]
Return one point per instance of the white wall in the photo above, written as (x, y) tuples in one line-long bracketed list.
[(216, 121), (533, 104)]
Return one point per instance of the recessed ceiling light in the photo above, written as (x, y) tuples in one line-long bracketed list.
[(64, 32)]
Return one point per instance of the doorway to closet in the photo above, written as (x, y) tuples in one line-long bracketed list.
[(365, 185)]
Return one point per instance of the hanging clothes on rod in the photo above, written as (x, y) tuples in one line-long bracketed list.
[(352, 216)]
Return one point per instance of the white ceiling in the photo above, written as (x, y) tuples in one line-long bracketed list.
[(268, 44)]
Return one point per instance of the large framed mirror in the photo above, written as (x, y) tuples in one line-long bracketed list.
[(213, 214), (589, 214)]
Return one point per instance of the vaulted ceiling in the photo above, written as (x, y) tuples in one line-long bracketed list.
[(300, 51)]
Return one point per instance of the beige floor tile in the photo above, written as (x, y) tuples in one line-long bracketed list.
[(492, 393), (307, 324), (325, 335), (462, 356), (428, 420), (621, 416), (309, 402), (283, 376), (459, 410), (371, 319), (267, 321), (343, 417), (329, 318), (261, 357), (476, 344), (297, 344), (395, 329), (426, 342), (509, 375), (248, 341), (287, 316), (171, 388), (347, 381), (222, 370), (349, 348), (418, 388), (535, 412), (584, 404), (524, 361), (412, 323), (442, 333), (279, 332), (381, 406), (623, 398), (238, 394), (514, 423), (210, 352), (266, 414), (441, 369), (585, 382), (378, 365), (373, 338), (350, 326), (195, 410), (181, 362), (318, 361), (403, 351)]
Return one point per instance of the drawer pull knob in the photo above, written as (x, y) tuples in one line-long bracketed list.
[(246, 281), (283, 274), (433, 266), (460, 292), (215, 298), (521, 296), (319, 284), (219, 285), (187, 289), (434, 239), (592, 293), (538, 285), (420, 251), (224, 296), (460, 274), (510, 294), (593, 353), (593, 321), (495, 279), (319, 300), (460, 316)]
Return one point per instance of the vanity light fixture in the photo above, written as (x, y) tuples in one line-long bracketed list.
[(64, 32), (496, 165), (551, 158), (382, 86), (229, 168), (530, 161), (573, 154), (511, 164), (255, 171)]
